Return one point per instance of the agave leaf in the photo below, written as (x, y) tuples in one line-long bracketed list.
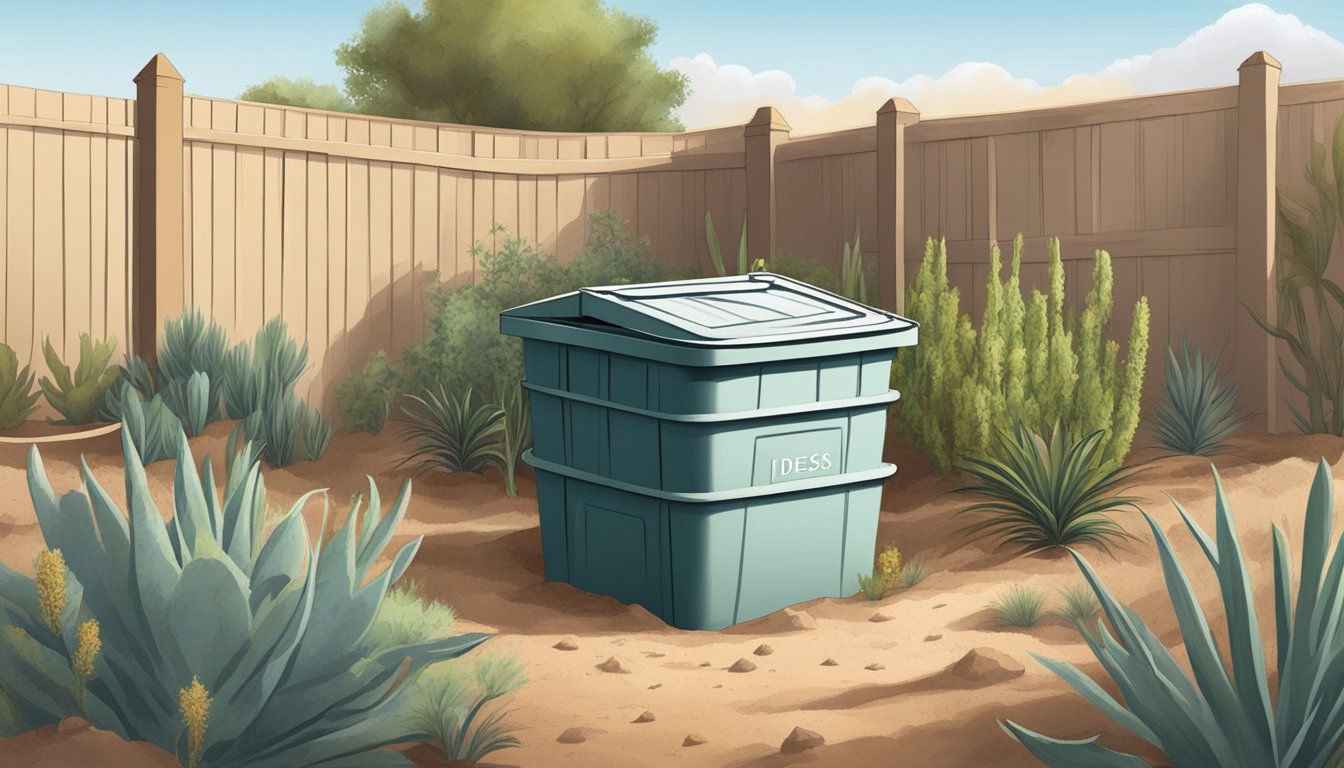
[(712, 243), (1099, 698), (210, 614), (1070, 754)]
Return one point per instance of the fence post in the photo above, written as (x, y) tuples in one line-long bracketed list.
[(892, 117), (157, 258), (1256, 277), (766, 131)]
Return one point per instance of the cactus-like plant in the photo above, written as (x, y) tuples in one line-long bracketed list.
[(79, 399), (17, 398), (268, 624), (1225, 715), (192, 346), (152, 427)]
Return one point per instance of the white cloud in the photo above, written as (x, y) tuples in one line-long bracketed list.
[(728, 94)]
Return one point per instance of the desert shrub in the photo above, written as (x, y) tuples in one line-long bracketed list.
[(407, 617), (874, 585), (192, 345), (1030, 360), (1313, 335), (912, 573), (1223, 715), (449, 709), (17, 398), (152, 426), (451, 433), (889, 562), (1199, 412), (364, 398), (1046, 494), (1020, 606), (264, 629), (79, 398), (1079, 604)]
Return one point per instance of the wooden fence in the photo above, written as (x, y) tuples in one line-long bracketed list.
[(338, 222)]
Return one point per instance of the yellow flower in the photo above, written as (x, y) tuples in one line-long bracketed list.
[(51, 587), (90, 643), (890, 561), (194, 704)]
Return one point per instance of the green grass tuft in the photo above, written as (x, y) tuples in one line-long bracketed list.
[(912, 573), (875, 585), (1080, 605), (1020, 606)]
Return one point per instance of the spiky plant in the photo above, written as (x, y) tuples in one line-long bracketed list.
[(450, 709), (912, 573), (17, 398), (874, 585), (192, 347), (853, 282), (1225, 715), (716, 255), (152, 427), (79, 398), (134, 373), (1079, 604), (1041, 495), (451, 433), (1020, 606), (269, 624), (516, 437), (1199, 412)]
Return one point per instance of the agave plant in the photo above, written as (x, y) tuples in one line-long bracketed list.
[(17, 398), (452, 434), (1224, 716), (1045, 495), (191, 346), (1200, 410), (269, 625), (151, 426), (79, 398), (134, 373)]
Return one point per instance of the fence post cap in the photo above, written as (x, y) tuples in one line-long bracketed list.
[(906, 112), (159, 67), (1260, 59), (769, 119)]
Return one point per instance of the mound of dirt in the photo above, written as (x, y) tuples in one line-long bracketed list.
[(74, 743)]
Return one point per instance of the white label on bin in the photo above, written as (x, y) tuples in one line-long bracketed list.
[(797, 456)]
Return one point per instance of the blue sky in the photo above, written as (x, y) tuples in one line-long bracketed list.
[(824, 47)]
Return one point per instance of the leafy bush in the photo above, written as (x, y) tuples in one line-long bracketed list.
[(889, 562), (407, 617), (912, 573), (1030, 361), (447, 710), (79, 399), (363, 399), (1200, 410), (451, 433), (1079, 604), (1313, 336), (1223, 716), (17, 398), (192, 345), (1020, 606), (874, 585), (152, 426), (265, 629), (1043, 495)]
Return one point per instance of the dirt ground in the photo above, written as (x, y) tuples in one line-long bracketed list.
[(482, 554)]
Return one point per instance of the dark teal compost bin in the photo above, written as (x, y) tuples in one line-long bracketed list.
[(709, 449)]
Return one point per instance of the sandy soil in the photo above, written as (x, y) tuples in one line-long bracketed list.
[(482, 554)]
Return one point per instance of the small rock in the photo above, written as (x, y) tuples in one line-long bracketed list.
[(742, 665), (704, 664), (931, 638), (655, 686), (654, 654), (73, 724), (567, 644), (763, 650), (874, 667), (646, 717), (616, 665), (576, 735), (940, 605), (986, 666), (796, 619), (801, 740), (879, 617), (830, 663), (694, 740), (720, 685)]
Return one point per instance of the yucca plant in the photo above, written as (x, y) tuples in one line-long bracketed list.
[(1043, 495), (268, 624), (152, 427), (79, 398), (1224, 716), (451, 433), (516, 437), (1314, 337), (192, 345), (17, 398), (716, 255), (1199, 412), (286, 430), (1020, 606), (314, 430), (448, 708), (262, 371)]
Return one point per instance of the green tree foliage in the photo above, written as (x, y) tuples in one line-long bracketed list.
[(1031, 360), (300, 92), (562, 65)]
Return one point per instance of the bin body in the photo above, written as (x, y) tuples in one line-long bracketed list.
[(709, 449)]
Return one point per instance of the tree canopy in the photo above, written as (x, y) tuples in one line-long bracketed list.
[(561, 65)]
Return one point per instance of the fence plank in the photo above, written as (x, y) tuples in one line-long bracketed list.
[(249, 200), (224, 210), (358, 310), (48, 238), (77, 241)]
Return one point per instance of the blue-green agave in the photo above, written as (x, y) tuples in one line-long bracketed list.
[(1223, 717), (270, 624), (1199, 412)]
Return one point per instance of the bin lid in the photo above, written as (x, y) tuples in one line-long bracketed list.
[(743, 310)]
